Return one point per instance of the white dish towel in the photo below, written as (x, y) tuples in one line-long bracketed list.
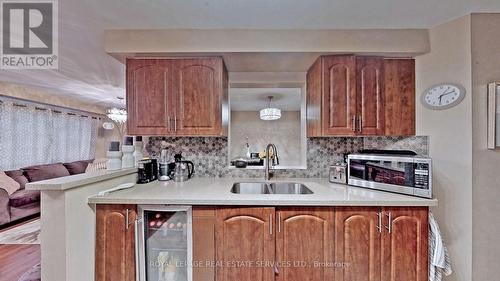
[(439, 259)]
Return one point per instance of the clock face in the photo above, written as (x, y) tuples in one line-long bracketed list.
[(443, 96)]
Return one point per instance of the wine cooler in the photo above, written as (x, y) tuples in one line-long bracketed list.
[(164, 243)]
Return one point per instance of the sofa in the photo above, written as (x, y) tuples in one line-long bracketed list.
[(23, 203)]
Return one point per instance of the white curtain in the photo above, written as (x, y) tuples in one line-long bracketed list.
[(32, 135)]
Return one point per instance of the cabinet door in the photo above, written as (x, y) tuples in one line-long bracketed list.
[(245, 244), (370, 94), (203, 244), (199, 97), (405, 244), (357, 239), (339, 95), (399, 97), (313, 106), (304, 244), (149, 97), (115, 243)]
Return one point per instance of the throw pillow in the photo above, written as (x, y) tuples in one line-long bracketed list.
[(8, 183)]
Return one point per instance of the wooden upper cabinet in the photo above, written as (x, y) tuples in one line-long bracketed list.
[(399, 97), (149, 96), (304, 244), (245, 240), (370, 96), (115, 240), (405, 246), (350, 95), (181, 97), (313, 100), (199, 96), (358, 242), (339, 95)]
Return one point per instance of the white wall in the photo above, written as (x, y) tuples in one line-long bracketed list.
[(450, 141), (285, 133), (486, 163)]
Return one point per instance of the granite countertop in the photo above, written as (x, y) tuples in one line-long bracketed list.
[(216, 191)]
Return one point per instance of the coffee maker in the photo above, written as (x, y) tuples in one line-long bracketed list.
[(147, 170), (180, 170)]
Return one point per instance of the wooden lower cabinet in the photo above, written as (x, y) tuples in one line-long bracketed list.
[(204, 243), (304, 244), (382, 244), (245, 244), (357, 244), (405, 244), (115, 243), (282, 244)]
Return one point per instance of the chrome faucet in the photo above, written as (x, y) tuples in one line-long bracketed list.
[(271, 162)]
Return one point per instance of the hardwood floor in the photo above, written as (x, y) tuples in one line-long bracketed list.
[(17, 259)]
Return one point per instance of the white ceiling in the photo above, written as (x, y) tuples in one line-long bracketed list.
[(254, 99), (86, 72)]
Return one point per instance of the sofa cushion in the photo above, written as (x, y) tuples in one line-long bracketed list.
[(18, 176), (77, 167), (24, 197), (8, 184), (45, 172)]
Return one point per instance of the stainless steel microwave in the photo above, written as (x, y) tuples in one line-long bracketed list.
[(405, 174)]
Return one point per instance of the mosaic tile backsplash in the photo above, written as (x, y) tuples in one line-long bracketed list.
[(210, 155)]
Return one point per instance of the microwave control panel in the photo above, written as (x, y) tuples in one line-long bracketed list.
[(422, 175)]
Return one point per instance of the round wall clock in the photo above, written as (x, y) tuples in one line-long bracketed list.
[(442, 96)]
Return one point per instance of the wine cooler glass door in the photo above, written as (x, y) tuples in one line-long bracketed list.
[(164, 243)]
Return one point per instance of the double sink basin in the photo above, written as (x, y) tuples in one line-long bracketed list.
[(270, 188)]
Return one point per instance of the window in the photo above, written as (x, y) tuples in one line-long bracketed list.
[(32, 134)]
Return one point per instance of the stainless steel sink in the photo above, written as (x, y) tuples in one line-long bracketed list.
[(289, 188), (250, 188), (270, 188)]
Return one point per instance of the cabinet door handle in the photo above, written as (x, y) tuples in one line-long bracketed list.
[(136, 245), (276, 269), (379, 223), (169, 120), (126, 219), (353, 120), (389, 220), (279, 222), (175, 123), (270, 224), (360, 124)]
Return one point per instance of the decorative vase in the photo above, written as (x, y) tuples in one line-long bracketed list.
[(138, 150), (114, 160), (128, 159)]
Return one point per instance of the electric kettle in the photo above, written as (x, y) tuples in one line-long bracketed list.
[(181, 170)]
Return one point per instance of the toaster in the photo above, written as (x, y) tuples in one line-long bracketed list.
[(338, 173)]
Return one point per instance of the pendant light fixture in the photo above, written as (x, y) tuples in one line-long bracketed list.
[(270, 113), (117, 115)]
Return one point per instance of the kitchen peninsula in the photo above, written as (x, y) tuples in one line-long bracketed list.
[(391, 224)]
